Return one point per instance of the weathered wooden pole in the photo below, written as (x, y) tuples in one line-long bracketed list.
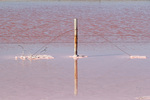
[(75, 37), (75, 77)]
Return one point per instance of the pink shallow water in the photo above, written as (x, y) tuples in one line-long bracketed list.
[(106, 74), (43, 21)]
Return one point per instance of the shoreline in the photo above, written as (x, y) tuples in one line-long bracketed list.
[(67, 0)]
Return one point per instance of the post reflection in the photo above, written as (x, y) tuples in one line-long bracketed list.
[(75, 77)]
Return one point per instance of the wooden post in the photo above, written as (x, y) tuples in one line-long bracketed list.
[(75, 37), (75, 77)]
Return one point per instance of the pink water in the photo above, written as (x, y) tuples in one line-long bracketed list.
[(42, 21), (106, 74)]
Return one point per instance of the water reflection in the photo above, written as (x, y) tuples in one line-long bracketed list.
[(75, 77)]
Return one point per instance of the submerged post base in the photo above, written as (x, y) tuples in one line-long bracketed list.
[(78, 56)]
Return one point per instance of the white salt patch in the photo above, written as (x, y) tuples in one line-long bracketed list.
[(143, 98), (138, 57), (37, 57)]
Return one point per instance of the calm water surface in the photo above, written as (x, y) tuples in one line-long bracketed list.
[(106, 74)]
